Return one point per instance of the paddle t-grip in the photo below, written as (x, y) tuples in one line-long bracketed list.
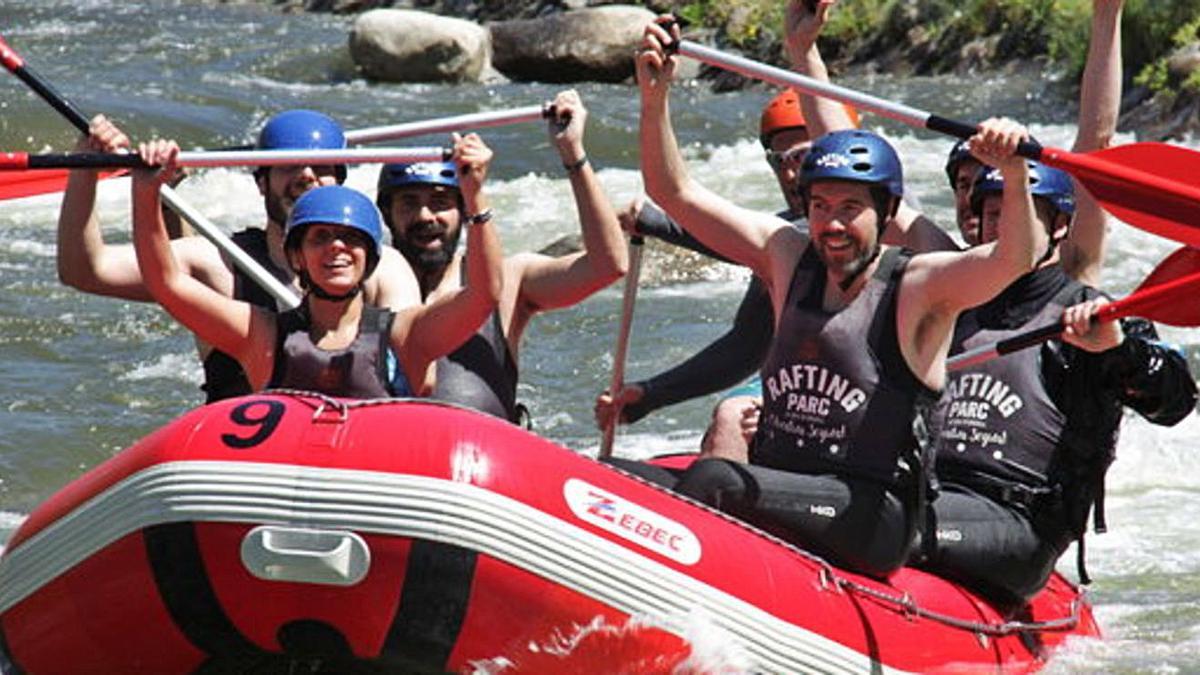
[(10, 58), (14, 161)]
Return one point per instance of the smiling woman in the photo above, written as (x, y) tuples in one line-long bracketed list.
[(333, 343)]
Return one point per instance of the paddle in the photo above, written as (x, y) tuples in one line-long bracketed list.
[(1167, 296), (31, 183), (618, 375), (21, 161), (1153, 186), (285, 296), (17, 184), (480, 120), (16, 65)]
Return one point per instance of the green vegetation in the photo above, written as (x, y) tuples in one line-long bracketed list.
[(1152, 31), (933, 33)]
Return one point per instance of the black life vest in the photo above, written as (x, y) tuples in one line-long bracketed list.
[(481, 374), (997, 418), (357, 371), (838, 396), (223, 375)]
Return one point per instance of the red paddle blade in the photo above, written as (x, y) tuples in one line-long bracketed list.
[(1168, 295), (1152, 186), (1179, 264), (20, 184), (31, 183)]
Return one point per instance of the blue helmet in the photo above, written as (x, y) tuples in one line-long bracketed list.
[(302, 130), (853, 155), (958, 154), (337, 205), (425, 173), (1046, 182), (392, 176)]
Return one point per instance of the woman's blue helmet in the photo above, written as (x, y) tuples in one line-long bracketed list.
[(853, 155), (1046, 182), (337, 205), (303, 130)]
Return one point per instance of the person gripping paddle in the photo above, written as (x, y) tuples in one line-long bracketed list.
[(88, 263), (333, 343), (422, 206)]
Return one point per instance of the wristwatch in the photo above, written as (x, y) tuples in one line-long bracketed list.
[(478, 218)]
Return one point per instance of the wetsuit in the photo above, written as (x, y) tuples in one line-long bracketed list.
[(482, 374), (1023, 441), (223, 375), (730, 358), (836, 468), (357, 371)]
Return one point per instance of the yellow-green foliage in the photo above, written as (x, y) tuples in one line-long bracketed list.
[(1154, 74), (1057, 29), (755, 17)]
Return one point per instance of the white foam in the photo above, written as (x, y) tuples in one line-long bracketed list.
[(27, 247), (9, 522), (179, 367), (712, 650)]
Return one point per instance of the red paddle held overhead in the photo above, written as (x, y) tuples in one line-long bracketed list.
[(1152, 186)]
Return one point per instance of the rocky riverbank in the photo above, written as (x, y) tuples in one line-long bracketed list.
[(542, 40)]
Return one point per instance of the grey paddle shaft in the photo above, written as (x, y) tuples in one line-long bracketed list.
[(447, 124), (309, 157), (618, 374), (213, 158), (786, 78), (285, 296), (896, 111)]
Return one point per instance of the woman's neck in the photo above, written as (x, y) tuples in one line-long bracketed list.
[(333, 324)]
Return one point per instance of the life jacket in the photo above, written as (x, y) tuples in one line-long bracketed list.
[(838, 396), (223, 375), (1009, 429), (357, 371), (482, 374)]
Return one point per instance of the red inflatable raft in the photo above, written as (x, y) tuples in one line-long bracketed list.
[(276, 531)]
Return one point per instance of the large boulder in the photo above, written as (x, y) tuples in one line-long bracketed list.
[(594, 44), (400, 45)]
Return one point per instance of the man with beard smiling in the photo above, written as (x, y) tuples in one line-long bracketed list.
[(861, 329), (421, 204), (87, 263)]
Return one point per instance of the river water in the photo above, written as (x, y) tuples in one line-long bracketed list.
[(82, 377)]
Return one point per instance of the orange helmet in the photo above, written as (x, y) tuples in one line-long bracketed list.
[(783, 112)]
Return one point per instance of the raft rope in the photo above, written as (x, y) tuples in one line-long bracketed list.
[(903, 602), (995, 629)]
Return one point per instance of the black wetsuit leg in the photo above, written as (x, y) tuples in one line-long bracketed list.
[(858, 524), (655, 474), (991, 548)]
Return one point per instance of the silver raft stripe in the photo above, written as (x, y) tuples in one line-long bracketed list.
[(422, 508)]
